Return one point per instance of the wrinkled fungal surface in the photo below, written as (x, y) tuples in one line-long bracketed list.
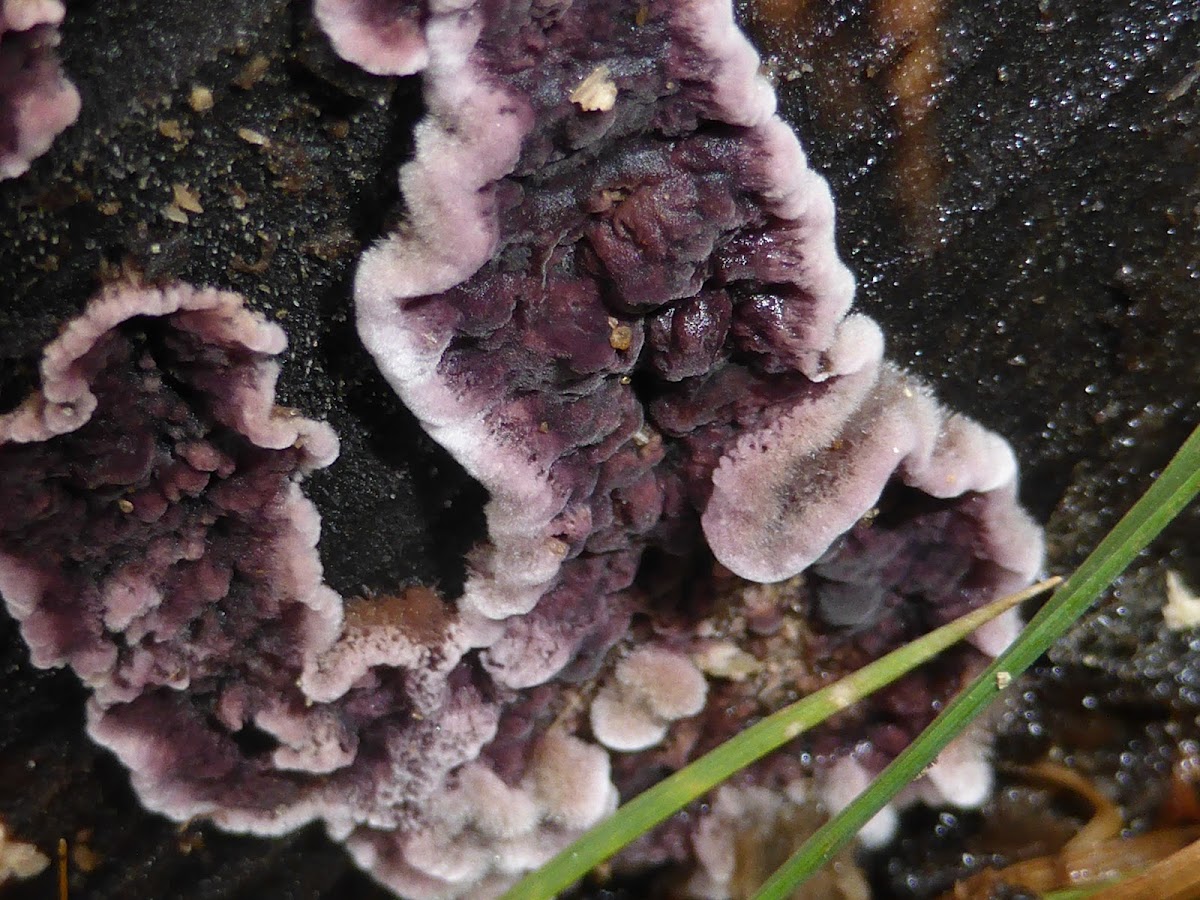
[(627, 320), (155, 539), (632, 322), (36, 99), (622, 312)]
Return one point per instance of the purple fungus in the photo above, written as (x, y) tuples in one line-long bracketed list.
[(650, 689), (155, 539), (625, 321), (36, 100), (382, 36), (615, 298)]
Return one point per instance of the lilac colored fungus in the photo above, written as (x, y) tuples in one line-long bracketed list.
[(650, 689), (155, 539), (382, 36), (621, 310), (36, 100), (628, 320)]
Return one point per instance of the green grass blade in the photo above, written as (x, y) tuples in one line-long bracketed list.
[(673, 793), (1174, 489)]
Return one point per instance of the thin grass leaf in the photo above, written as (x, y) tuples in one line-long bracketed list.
[(670, 795), (1174, 489)]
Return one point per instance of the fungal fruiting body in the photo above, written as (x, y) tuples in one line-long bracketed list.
[(155, 539), (615, 300), (627, 319), (36, 100)]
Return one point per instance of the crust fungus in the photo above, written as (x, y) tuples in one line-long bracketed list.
[(651, 689), (630, 323), (36, 99), (382, 36), (745, 399), (627, 319), (155, 538)]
